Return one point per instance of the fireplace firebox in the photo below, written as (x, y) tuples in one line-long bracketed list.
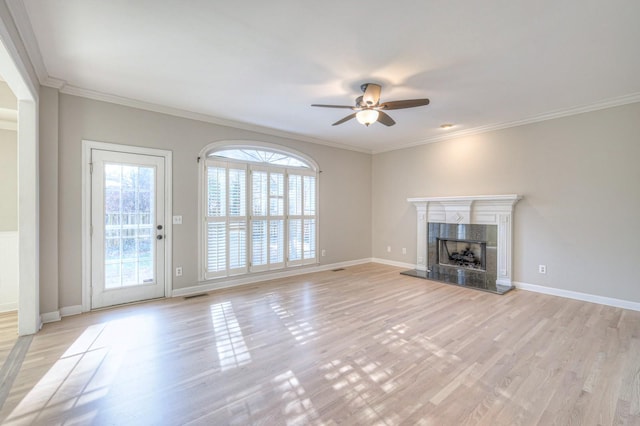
[(462, 253)]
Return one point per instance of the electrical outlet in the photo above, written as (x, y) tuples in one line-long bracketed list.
[(177, 220), (324, 252), (388, 249), (404, 250), (542, 269), (179, 271)]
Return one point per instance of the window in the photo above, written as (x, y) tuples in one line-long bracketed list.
[(260, 210)]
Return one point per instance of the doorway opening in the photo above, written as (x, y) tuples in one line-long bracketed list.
[(14, 72)]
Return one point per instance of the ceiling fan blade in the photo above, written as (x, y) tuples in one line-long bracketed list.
[(385, 119), (347, 118), (332, 106), (371, 95), (409, 103)]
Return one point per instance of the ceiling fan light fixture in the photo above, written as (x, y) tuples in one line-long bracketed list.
[(368, 108), (367, 116)]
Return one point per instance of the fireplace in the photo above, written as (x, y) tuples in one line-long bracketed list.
[(465, 241)]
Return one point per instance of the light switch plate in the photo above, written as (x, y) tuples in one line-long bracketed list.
[(177, 220)]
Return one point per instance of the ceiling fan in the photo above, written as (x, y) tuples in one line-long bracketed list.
[(368, 108)]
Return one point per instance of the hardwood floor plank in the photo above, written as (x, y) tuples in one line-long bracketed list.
[(364, 345), (12, 364), (8, 334)]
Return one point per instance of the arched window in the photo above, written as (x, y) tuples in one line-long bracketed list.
[(258, 209)]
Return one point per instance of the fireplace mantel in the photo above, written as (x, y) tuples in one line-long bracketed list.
[(474, 209)]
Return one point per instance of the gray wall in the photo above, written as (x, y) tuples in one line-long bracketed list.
[(8, 166), (48, 169), (345, 183), (579, 176), (7, 98), (8, 180)]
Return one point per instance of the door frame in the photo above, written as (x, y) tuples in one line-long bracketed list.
[(87, 146)]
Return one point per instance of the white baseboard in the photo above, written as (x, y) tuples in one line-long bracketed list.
[(244, 280), (50, 317), (71, 310), (585, 297), (63, 312), (394, 263)]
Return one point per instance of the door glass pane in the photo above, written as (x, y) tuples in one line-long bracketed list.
[(128, 225)]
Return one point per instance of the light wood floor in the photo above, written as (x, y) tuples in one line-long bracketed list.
[(360, 346), (8, 334)]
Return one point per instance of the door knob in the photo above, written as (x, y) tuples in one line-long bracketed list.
[(159, 227), (159, 237)]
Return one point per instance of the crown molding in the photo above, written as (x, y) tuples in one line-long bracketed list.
[(25, 30), (603, 104), (163, 109), (99, 96), (53, 82)]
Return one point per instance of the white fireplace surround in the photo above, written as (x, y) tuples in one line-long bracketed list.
[(475, 209)]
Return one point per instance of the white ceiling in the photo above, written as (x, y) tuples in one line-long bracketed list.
[(484, 64)]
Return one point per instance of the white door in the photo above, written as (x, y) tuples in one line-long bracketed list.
[(127, 222)]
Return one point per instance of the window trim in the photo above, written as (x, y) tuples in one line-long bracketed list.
[(203, 156)]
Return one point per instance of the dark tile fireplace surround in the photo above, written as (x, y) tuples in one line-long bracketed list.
[(478, 269)]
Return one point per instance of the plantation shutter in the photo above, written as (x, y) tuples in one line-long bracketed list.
[(216, 247), (309, 218), (267, 218), (237, 220), (276, 219), (226, 217), (302, 218)]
